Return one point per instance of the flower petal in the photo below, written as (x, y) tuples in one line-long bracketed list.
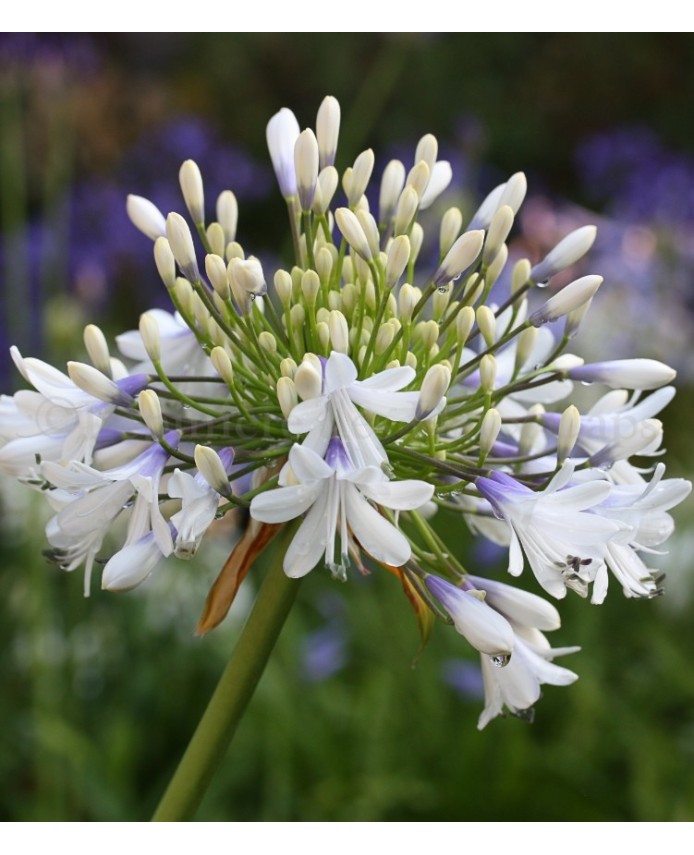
[(376, 535)]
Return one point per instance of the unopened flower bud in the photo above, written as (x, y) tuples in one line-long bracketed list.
[(216, 271), (306, 166), (360, 177), (451, 224), (325, 189), (339, 332), (149, 332), (514, 192), (328, 130), (392, 182), (150, 410), (406, 210), (324, 264), (495, 268), (222, 365), (308, 380), (498, 231), (483, 215), (283, 286), (567, 252), (181, 242), (97, 348), (488, 369), (463, 324), (216, 239), (353, 232), (418, 178), (432, 394), (165, 261), (487, 324), (213, 469), (407, 300), (310, 286), (191, 186), (526, 343), (94, 383), (384, 338), (228, 214), (520, 275), (489, 431), (575, 318), (459, 257), (569, 428), (145, 216), (282, 133), (398, 257), (640, 374), (368, 224), (439, 179), (440, 301), (416, 240), (286, 395), (267, 341), (570, 297)]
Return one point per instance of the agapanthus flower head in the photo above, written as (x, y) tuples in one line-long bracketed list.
[(362, 393)]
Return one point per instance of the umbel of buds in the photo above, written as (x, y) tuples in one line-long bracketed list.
[(366, 390)]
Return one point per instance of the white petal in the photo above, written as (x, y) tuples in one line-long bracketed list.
[(396, 406), (307, 464), (441, 175), (285, 503), (340, 372), (375, 534), (131, 565), (307, 414), (390, 380), (307, 545), (398, 495)]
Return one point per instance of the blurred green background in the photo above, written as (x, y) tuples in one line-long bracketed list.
[(101, 695)]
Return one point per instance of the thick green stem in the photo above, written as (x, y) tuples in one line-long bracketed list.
[(230, 699)]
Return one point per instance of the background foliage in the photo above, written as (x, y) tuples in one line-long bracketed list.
[(101, 694)]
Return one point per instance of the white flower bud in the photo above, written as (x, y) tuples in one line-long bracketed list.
[(406, 210), (451, 224), (324, 264), (149, 332), (567, 252), (440, 301), (353, 233), (418, 178), (488, 370), (283, 286), (483, 215), (497, 265), (514, 192), (246, 279), (97, 348), (222, 365), (641, 374), (310, 286), (286, 395), (267, 341), (216, 271), (282, 133), (411, 360), (325, 189), (308, 380), (212, 469), (407, 300), (487, 324), (427, 150), (328, 130), (368, 224), (569, 428), (432, 394), (384, 338), (306, 167), (570, 297), (323, 333), (145, 216), (339, 332), (520, 275), (459, 257), (181, 243), (360, 177), (498, 231), (190, 180), (392, 182), (228, 214), (165, 261), (526, 342), (429, 332), (575, 319), (463, 324), (234, 250), (94, 383), (288, 367), (216, 239), (398, 257), (416, 240), (150, 410), (489, 431)]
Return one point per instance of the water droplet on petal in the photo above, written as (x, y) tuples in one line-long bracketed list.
[(500, 660), (443, 289)]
